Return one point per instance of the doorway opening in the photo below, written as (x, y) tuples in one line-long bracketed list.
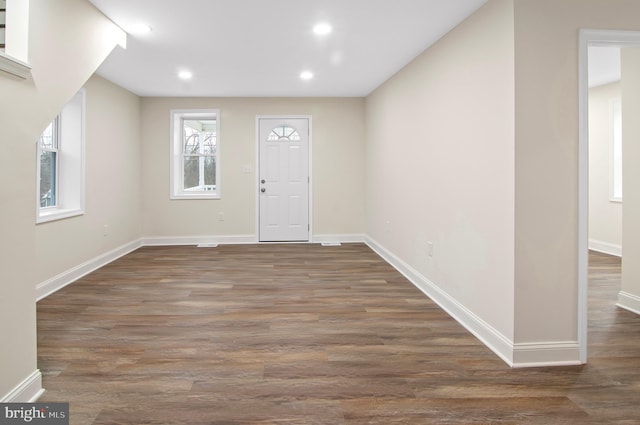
[(590, 41)]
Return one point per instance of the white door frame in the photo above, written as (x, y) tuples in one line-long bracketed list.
[(588, 38), (257, 171)]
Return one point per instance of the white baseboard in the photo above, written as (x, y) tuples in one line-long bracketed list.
[(58, 282), (334, 239), (28, 391), (199, 240), (65, 278), (546, 354), (605, 247), (515, 355), (629, 302), (493, 339), (240, 239)]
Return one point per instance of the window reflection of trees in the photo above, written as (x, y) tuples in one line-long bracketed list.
[(199, 155), (48, 142)]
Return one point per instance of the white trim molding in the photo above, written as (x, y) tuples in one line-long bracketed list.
[(69, 137), (309, 118), (605, 247), (496, 341), (28, 391), (515, 355), (176, 164), (240, 240), (14, 66), (335, 239), (589, 37), (546, 354), (49, 286), (629, 302), (199, 240)]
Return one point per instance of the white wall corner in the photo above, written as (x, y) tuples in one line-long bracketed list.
[(605, 247), (28, 391), (492, 338), (338, 238), (629, 302), (49, 286), (546, 354), (197, 240)]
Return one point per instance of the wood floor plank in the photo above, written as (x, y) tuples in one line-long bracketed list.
[(305, 334)]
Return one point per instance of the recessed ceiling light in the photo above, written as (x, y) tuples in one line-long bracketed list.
[(322, 29), (306, 75), (185, 75), (139, 28)]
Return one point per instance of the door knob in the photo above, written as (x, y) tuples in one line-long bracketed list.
[(263, 190)]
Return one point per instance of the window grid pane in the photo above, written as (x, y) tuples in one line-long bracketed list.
[(191, 177), (49, 165), (48, 184), (209, 172), (209, 146), (284, 133), (199, 154), (48, 138)]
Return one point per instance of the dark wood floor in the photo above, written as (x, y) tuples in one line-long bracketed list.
[(305, 334)]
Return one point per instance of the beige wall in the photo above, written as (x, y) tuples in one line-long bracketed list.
[(630, 295), (472, 146), (337, 167), (605, 216), (440, 165), (112, 182), (546, 183), (78, 33)]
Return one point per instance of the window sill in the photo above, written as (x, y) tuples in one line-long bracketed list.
[(14, 66), (57, 214)]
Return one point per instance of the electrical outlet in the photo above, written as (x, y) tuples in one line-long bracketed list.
[(220, 216), (105, 230), (430, 249)]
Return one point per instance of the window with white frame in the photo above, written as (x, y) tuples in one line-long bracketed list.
[(616, 152), (195, 154), (60, 167)]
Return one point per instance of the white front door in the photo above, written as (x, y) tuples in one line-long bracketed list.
[(283, 179)]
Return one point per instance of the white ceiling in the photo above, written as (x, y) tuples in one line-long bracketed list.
[(259, 47)]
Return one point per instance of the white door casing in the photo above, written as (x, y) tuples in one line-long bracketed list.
[(284, 179), (589, 37)]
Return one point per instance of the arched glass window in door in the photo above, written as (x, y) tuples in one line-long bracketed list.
[(283, 132)]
